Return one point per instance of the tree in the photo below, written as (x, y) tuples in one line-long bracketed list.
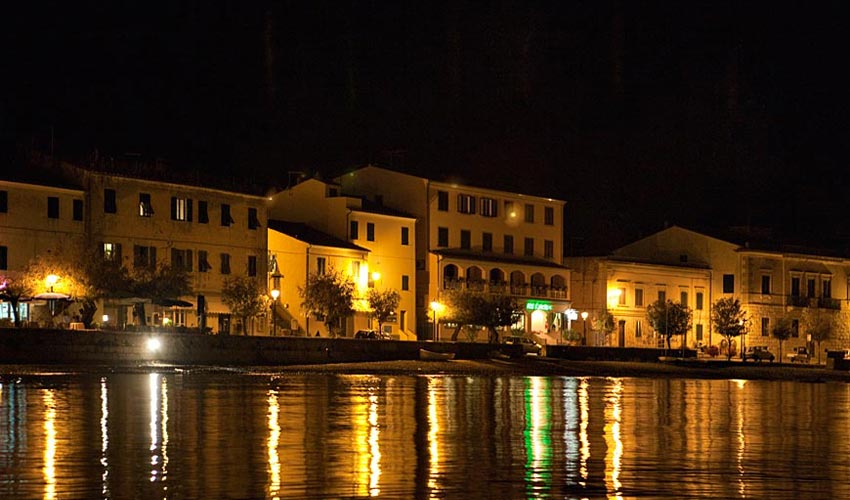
[(330, 295), (669, 318), (730, 320), (383, 304), (820, 325), (604, 323), (460, 309), (490, 311), (245, 298), (12, 290), (782, 331), (159, 283)]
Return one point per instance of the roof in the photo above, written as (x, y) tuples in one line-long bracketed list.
[(377, 208), (490, 257), (310, 235), (762, 239)]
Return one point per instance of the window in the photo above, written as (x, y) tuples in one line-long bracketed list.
[(443, 201), (52, 207), (528, 249), (203, 212), (112, 252), (699, 301), (181, 259), (638, 297), (110, 205), (354, 230), (355, 269), (225, 263), (405, 236), (405, 282), (795, 327), (487, 242), (465, 239), (253, 219), (827, 289), (370, 231), (728, 283), (145, 206), (529, 212), (4, 257), (662, 295), (442, 236), (699, 333), (466, 203), (252, 265), (510, 211), (489, 207), (765, 285), (765, 327), (144, 256), (509, 244), (4, 202), (810, 287), (795, 286), (181, 209), (77, 209), (321, 266), (549, 216), (683, 298), (548, 249), (203, 261), (638, 329), (621, 300), (226, 219)]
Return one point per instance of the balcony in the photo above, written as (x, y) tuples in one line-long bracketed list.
[(829, 303), (502, 287), (797, 301)]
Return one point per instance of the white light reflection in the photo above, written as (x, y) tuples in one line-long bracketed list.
[(584, 408), (104, 436), (49, 445), (164, 432), (742, 442), (153, 390), (614, 455), (272, 443), (539, 432)]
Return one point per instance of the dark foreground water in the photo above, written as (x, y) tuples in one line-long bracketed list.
[(262, 435)]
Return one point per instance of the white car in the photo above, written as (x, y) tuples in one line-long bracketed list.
[(799, 354)]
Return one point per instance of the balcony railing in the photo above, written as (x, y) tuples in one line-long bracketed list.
[(829, 303), (500, 287), (821, 302), (797, 301)]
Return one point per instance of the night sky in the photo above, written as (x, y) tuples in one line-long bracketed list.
[(704, 114)]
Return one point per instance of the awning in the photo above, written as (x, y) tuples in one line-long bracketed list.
[(173, 303)]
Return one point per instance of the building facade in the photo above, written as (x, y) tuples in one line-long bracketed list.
[(478, 239)]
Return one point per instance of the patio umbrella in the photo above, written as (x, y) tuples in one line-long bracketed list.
[(173, 303), (51, 296)]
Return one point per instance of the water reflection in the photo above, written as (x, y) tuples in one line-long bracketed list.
[(203, 435)]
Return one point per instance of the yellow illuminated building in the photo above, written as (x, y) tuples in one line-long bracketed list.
[(478, 239)]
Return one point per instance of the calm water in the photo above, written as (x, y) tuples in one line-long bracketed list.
[(265, 435)]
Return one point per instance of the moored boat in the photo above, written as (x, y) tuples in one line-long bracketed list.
[(426, 355)]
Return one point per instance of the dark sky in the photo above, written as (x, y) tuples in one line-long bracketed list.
[(635, 113)]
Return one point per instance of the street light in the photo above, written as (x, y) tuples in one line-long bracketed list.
[(436, 306), (584, 323), (275, 294)]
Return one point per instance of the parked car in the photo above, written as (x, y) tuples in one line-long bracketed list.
[(528, 346), (758, 353), (371, 334), (799, 354)]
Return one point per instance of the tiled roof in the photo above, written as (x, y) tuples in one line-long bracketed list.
[(307, 234)]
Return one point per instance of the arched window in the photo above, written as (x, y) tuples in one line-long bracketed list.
[(497, 276), (450, 276)]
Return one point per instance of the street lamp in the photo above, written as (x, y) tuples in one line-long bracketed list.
[(275, 294), (435, 307), (584, 324)]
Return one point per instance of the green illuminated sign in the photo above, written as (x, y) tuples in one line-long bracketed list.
[(536, 305)]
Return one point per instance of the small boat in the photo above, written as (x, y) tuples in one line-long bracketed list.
[(426, 355)]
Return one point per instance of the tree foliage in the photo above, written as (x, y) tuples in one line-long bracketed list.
[(245, 298), (13, 290), (782, 331), (490, 311), (604, 322), (330, 295), (159, 283), (729, 320), (383, 304), (820, 325), (669, 318)]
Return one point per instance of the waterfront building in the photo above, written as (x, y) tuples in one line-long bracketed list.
[(370, 243), (479, 239), (772, 280)]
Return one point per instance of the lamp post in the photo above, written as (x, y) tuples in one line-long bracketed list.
[(584, 325), (436, 306), (275, 294)]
